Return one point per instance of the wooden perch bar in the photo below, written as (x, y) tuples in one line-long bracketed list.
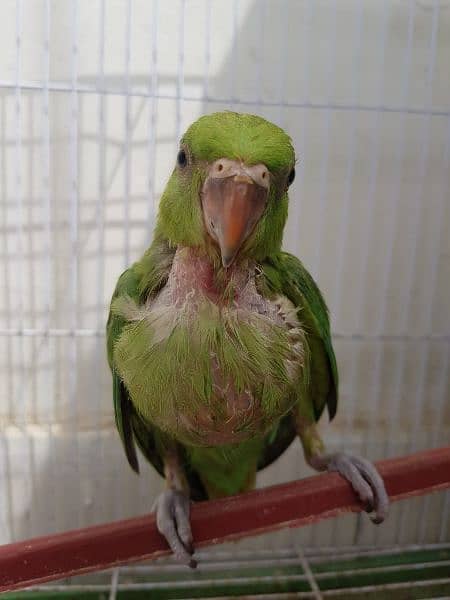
[(289, 505)]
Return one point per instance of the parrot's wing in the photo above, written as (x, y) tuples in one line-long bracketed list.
[(128, 285), (286, 274), (139, 282), (132, 428)]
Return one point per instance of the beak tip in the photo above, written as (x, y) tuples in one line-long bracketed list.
[(227, 260)]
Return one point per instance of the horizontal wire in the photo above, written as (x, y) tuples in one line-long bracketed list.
[(106, 425), (385, 587), (298, 577), (216, 559), (222, 581), (93, 89), (353, 337), (344, 592)]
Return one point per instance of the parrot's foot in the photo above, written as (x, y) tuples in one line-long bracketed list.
[(172, 520), (362, 476)]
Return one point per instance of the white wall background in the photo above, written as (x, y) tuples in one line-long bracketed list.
[(93, 97)]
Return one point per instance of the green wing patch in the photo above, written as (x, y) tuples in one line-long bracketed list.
[(128, 284), (285, 274), (139, 282)]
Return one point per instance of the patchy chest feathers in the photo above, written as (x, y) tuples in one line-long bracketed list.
[(220, 362)]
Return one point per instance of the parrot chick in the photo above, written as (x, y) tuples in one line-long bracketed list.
[(218, 341)]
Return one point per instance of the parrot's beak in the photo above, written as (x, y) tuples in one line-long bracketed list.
[(234, 197)]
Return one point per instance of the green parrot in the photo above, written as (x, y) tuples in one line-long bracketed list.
[(218, 341)]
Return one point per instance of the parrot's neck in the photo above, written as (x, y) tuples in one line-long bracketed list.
[(194, 273)]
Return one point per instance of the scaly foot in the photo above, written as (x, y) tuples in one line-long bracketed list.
[(172, 520), (362, 476)]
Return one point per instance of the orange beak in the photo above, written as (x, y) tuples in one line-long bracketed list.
[(231, 208)]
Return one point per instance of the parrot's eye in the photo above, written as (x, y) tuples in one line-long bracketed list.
[(291, 176), (182, 158)]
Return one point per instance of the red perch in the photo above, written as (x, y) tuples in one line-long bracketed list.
[(289, 505)]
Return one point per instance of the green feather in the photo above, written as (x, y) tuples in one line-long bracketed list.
[(161, 364), (152, 352), (239, 136), (236, 136), (285, 274), (146, 277)]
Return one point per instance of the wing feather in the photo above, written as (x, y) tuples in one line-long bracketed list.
[(285, 274), (139, 282)]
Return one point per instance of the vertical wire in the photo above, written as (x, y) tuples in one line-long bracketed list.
[(410, 267), (180, 73), (262, 34), (22, 416), (418, 206), (6, 483), (324, 166), (153, 84), (306, 78), (373, 177), (442, 389), (262, 11), (127, 137), (330, 78), (6, 272), (114, 583), (395, 202), (309, 8), (440, 395), (8, 487), (364, 288), (32, 483), (283, 62), (391, 227), (48, 245), (344, 221), (343, 230), (33, 346), (306, 568), (234, 52), (73, 234), (100, 223), (445, 521), (20, 213), (207, 51), (388, 272), (5, 506), (118, 495), (152, 123)]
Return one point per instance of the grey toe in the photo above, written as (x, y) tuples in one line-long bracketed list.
[(172, 521), (365, 480)]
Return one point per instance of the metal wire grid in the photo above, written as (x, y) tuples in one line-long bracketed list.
[(311, 573), (39, 334)]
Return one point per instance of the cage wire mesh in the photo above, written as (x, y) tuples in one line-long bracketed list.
[(94, 97)]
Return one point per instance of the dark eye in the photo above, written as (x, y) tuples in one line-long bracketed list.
[(291, 176), (182, 158)]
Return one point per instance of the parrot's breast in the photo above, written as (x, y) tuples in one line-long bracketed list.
[(210, 361)]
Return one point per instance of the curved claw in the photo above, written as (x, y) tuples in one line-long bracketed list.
[(365, 480), (172, 520)]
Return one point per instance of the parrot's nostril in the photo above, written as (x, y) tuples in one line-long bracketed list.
[(212, 225), (220, 167), (264, 174)]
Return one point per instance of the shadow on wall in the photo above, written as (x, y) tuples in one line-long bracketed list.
[(87, 479)]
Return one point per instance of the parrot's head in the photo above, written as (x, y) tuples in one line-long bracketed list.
[(228, 191)]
